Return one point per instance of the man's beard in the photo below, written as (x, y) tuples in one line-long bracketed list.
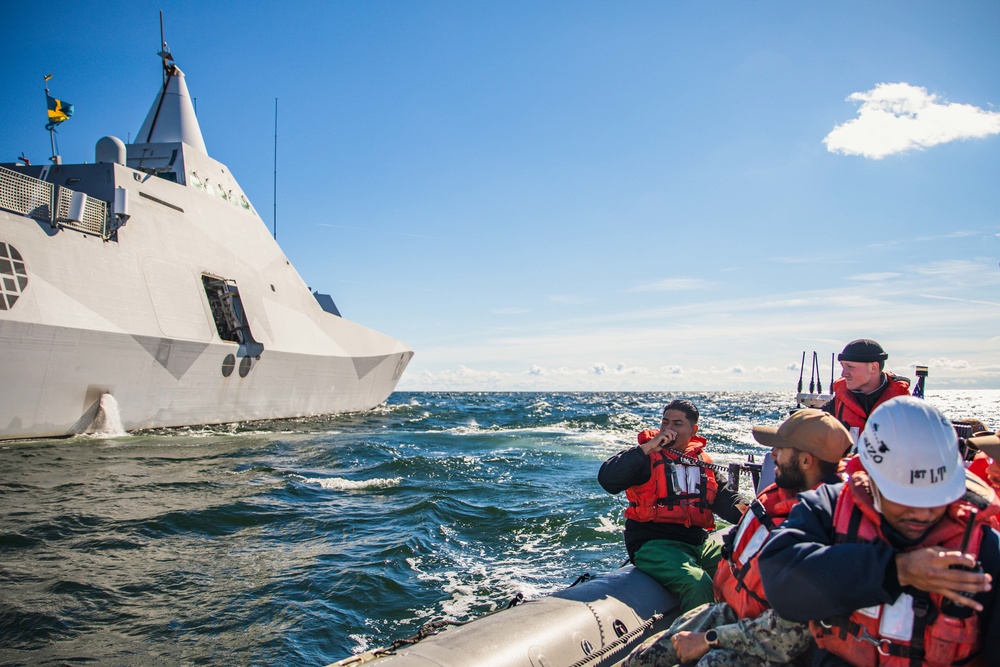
[(790, 476)]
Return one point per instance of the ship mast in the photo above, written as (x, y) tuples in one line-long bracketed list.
[(52, 130), (164, 52)]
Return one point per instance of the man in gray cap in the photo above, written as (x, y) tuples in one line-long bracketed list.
[(864, 384), (741, 630)]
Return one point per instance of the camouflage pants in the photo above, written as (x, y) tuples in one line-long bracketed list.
[(765, 640)]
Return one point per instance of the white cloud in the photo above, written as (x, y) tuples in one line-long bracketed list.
[(898, 117), (947, 363), (463, 379), (620, 369)]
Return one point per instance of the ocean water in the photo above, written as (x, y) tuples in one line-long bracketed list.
[(301, 542)]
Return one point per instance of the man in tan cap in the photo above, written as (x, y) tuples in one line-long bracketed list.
[(988, 445), (741, 628)]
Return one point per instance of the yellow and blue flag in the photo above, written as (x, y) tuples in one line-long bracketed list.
[(59, 110)]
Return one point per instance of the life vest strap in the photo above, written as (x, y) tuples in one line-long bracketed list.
[(758, 510)]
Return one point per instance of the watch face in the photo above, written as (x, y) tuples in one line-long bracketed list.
[(712, 637)]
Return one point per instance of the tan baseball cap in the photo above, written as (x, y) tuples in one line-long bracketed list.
[(809, 430)]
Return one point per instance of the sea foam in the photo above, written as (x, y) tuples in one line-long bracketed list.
[(341, 484)]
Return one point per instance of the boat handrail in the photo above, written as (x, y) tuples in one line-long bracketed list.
[(35, 198)]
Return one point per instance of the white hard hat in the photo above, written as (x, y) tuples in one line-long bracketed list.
[(910, 449)]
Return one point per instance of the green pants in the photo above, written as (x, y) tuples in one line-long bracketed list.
[(685, 570)]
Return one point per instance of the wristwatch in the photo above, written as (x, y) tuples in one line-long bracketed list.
[(712, 638)]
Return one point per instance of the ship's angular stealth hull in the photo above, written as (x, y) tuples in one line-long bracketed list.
[(163, 288)]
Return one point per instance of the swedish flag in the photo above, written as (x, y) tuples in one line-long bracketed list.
[(59, 110)]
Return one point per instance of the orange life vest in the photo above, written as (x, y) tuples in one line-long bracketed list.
[(899, 634), (676, 492), (737, 580), (847, 409), (978, 467)]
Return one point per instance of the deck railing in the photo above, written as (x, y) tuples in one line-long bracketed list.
[(38, 199)]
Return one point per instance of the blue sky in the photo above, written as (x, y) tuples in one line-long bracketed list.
[(584, 195)]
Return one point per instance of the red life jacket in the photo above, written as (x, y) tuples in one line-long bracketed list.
[(847, 409), (737, 580), (899, 634), (978, 467), (676, 492)]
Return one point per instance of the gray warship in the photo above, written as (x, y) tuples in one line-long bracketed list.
[(144, 287)]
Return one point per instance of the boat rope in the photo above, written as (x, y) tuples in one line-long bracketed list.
[(620, 643), (426, 631), (516, 600), (692, 461)]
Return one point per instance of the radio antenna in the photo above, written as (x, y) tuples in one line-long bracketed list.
[(274, 196)]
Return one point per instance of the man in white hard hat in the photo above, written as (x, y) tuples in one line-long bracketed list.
[(874, 564)]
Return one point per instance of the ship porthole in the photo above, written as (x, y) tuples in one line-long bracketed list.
[(228, 364), (13, 276), (245, 366)]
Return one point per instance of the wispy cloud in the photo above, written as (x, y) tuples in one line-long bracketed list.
[(874, 277), (952, 298), (953, 267), (899, 117), (930, 238)]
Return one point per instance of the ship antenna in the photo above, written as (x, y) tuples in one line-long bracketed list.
[(165, 55), (274, 196), (164, 51), (52, 130)]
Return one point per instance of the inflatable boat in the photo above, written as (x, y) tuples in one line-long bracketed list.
[(594, 623)]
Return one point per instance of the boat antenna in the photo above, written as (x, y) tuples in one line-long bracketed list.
[(819, 373), (812, 376), (831, 373), (274, 196), (802, 368)]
